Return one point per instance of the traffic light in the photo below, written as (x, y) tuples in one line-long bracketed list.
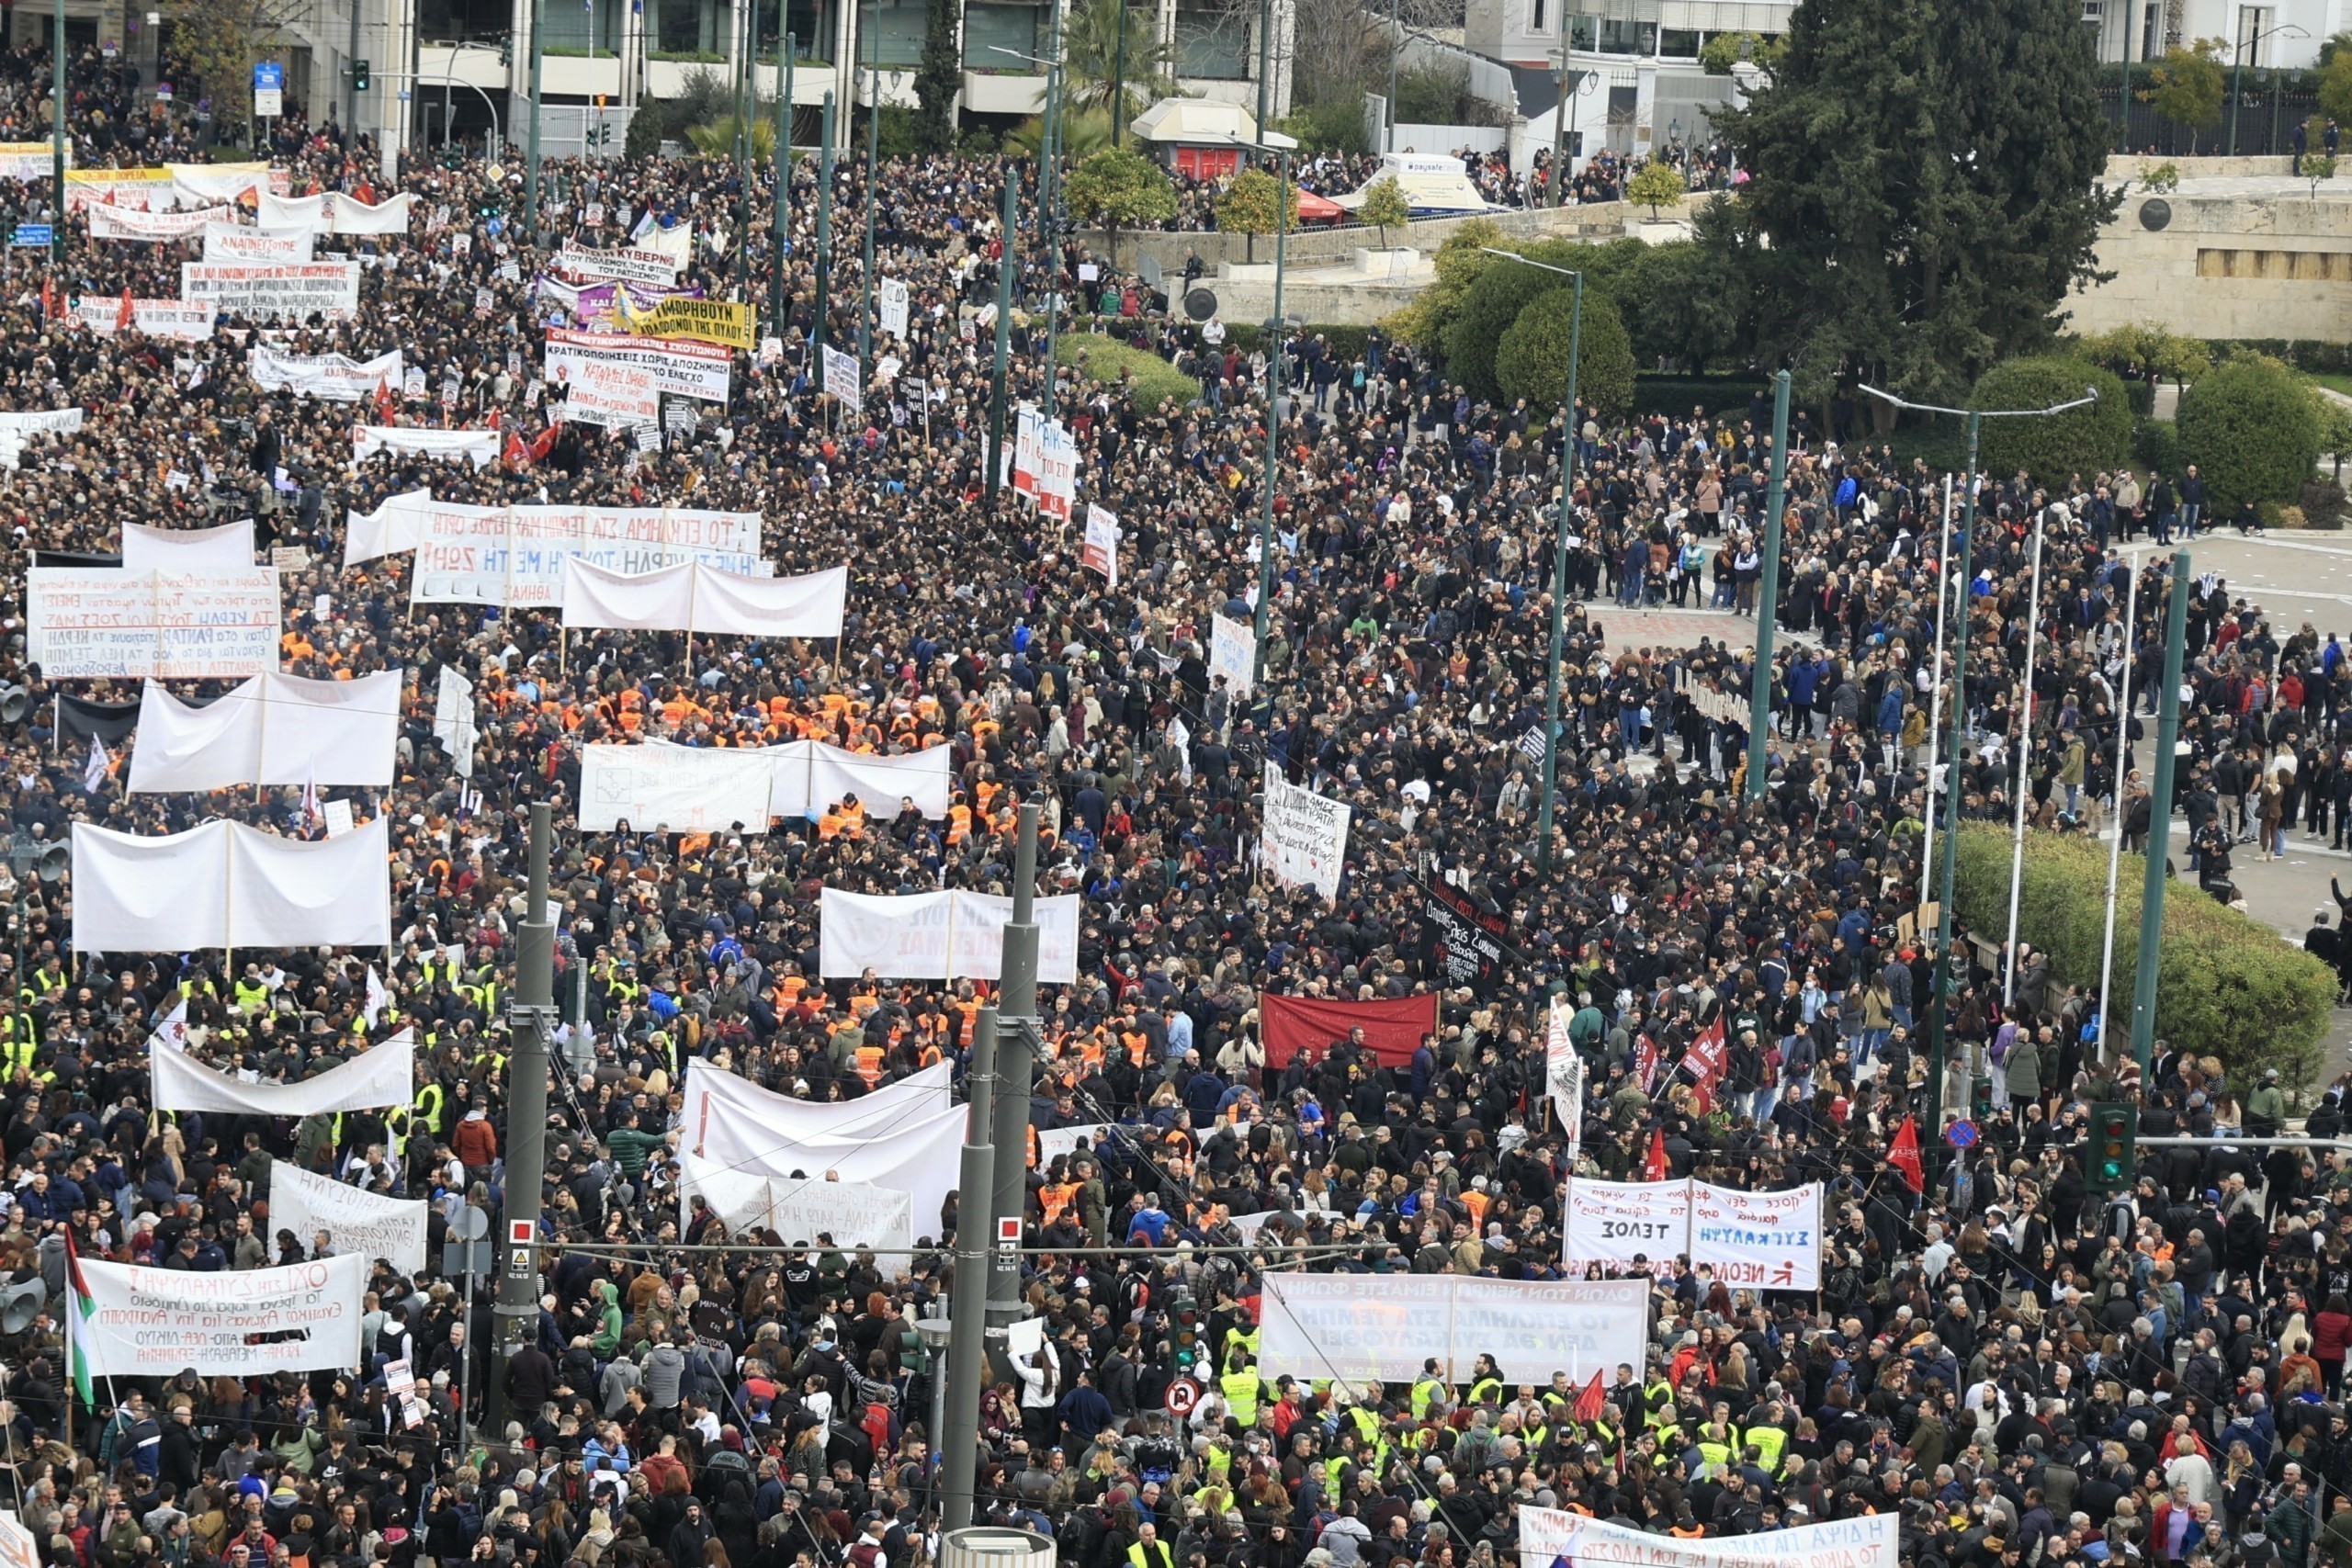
[(1188, 1346), (358, 76), (505, 51), (2113, 1153)]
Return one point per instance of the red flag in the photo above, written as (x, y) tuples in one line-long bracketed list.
[(386, 404), (1903, 1153), (1591, 1402), (1645, 1059), (125, 314), (1654, 1166), (47, 299), (1704, 1060), (492, 421), (516, 453), (544, 443)]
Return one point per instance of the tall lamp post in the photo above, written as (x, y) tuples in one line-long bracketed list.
[(1049, 130), (1287, 213), (1940, 996), (2237, 72), (873, 166), (1768, 602), (1559, 559)]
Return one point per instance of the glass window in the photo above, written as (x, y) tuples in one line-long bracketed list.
[(1535, 16), (1211, 47), (1584, 32), (1676, 44), (893, 33), (812, 30), (988, 28), (1623, 36), (568, 28), (689, 29)]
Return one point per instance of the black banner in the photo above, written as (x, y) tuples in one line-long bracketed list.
[(78, 718), (1462, 944)]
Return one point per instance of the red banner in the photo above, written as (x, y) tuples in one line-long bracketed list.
[(1392, 1030)]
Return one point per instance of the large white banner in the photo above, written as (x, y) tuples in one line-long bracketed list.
[(171, 319), (224, 884), (365, 1224), (109, 221), (852, 1213), (953, 935), (273, 247), (695, 598), (85, 623), (1615, 1222), (615, 378), (201, 184), (914, 1154), (642, 266), (1383, 1327), (676, 789), (1556, 1538), (454, 724), (479, 445), (378, 1078), (925, 777), (280, 291), (1233, 653), (229, 547), (273, 729), (917, 1097), (332, 377), (349, 215), (1762, 1241), (515, 556), (243, 1322), (1302, 836)]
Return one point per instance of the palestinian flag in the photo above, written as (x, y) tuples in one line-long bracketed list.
[(81, 1310)]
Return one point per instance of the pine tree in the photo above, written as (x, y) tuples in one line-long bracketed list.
[(939, 77)]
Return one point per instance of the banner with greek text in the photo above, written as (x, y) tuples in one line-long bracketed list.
[(1102, 552), (842, 379), (231, 243), (143, 190), (1356, 1328), (478, 445), (259, 291), (239, 1323), (332, 377), (365, 1224), (1233, 653), (33, 159), (1760, 1241), (1056, 471), (1533, 1328), (85, 624), (582, 265), (515, 556), (615, 379), (1302, 836), (1556, 1538), (724, 321), (1623, 1222), (1563, 1075), (109, 221), (171, 319)]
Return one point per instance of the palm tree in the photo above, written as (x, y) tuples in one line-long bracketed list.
[(715, 138), (1091, 72), (1080, 134)]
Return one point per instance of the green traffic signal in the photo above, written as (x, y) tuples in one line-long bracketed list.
[(2112, 1155), (358, 76)]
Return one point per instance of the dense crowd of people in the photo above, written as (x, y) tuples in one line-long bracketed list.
[(2024, 1375)]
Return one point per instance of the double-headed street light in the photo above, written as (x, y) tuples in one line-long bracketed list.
[(1559, 558), (2237, 74)]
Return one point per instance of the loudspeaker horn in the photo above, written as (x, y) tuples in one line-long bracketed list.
[(19, 1304), (53, 862), (13, 700)]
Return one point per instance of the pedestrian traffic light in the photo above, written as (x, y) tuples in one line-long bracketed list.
[(2112, 1156), (1187, 1326), (358, 76)]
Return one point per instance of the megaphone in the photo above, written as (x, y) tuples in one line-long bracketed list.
[(21, 1303), (53, 861), (13, 700)]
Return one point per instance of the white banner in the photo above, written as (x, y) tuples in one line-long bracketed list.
[(643, 266), (1053, 1145), (201, 184), (918, 1097), (693, 598), (349, 215), (1616, 1222), (224, 884), (515, 556), (332, 377), (1563, 1075), (171, 319), (378, 1078), (273, 729), (1760, 1241), (85, 623), (1102, 552), (1556, 1538), (291, 211), (914, 1154), (810, 777), (1383, 1327), (953, 935), (674, 789), (1302, 837), (287, 291), (111, 222), (32, 160), (151, 1323), (229, 547), (1028, 448), (842, 377), (231, 242), (1233, 653), (365, 1224), (614, 378), (454, 724), (854, 1214), (893, 295), (481, 445), (1056, 471)]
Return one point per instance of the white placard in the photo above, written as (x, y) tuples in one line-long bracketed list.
[(261, 291), (1302, 836), (1563, 1075), (241, 1323), (893, 308), (939, 936), (454, 723), (109, 221), (842, 377), (332, 377), (1233, 653), (1101, 553), (676, 789), (88, 623), (1761, 1241), (1615, 1222), (1059, 1140), (365, 1224), (231, 243), (337, 814), (1557, 1537)]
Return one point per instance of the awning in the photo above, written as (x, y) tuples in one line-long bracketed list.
[(1314, 208)]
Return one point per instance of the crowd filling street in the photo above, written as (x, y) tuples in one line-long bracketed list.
[(2028, 1375)]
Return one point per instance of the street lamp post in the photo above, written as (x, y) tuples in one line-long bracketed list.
[(2237, 72), (872, 173), (1768, 605), (1559, 560), (1284, 213), (1049, 130), (782, 243), (824, 242), (1940, 996)]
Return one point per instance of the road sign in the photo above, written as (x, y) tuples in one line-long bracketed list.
[(33, 234), (519, 1233), (1007, 1233), (1182, 1394), (269, 88)]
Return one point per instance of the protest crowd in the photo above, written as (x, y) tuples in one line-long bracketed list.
[(1994, 1370)]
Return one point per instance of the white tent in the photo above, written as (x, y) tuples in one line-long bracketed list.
[(1432, 183)]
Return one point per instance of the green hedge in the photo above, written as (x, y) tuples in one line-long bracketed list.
[(2156, 443), (1108, 360), (2226, 987), (2251, 429), (1532, 361), (2303, 353), (1677, 395), (2082, 440), (1346, 342)]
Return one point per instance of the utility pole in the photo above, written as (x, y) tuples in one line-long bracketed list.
[(351, 79), (2152, 890), (781, 240), (1009, 234), (824, 242), (1939, 996), (873, 145), (1278, 358), (1759, 701), (1119, 81), (1265, 70), (532, 1020), (1016, 1072), (531, 143), (967, 1333), (57, 164)]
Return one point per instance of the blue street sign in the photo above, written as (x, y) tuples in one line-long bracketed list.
[(33, 234), (269, 76)]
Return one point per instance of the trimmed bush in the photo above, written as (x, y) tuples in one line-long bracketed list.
[(2250, 428), (2156, 443), (1110, 361), (2226, 986), (2082, 440), (1532, 361)]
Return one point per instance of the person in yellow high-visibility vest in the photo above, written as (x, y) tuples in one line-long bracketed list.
[(1242, 1388), (1150, 1552)]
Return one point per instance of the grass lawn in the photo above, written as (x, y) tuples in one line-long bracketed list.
[(1109, 361), (2335, 381)]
